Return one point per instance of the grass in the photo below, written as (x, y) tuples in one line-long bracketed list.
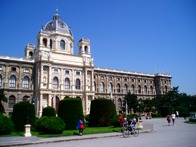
[(87, 130)]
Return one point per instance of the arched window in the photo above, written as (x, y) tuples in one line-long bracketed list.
[(101, 87), (77, 84), (86, 49), (145, 89), (26, 98), (45, 42), (110, 88), (125, 88), (67, 83), (119, 103), (165, 89), (56, 106), (139, 89), (55, 83), (11, 101), (51, 43), (25, 82), (62, 44), (132, 89), (12, 82), (30, 54), (80, 50), (118, 88), (95, 87), (151, 90), (1, 81)]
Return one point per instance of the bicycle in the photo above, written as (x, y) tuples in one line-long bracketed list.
[(126, 131)]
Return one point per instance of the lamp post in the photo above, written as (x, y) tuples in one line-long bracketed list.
[(126, 108), (27, 126)]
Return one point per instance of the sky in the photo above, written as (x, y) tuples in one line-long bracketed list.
[(147, 36)]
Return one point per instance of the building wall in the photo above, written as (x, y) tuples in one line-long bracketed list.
[(54, 73), (17, 80), (114, 84)]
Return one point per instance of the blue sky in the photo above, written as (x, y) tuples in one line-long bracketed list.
[(147, 36)]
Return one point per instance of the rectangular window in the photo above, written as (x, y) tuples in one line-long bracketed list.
[(89, 73), (67, 72), (78, 73), (56, 70), (110, 78), (13, 69), (45, 68), (26, 69)]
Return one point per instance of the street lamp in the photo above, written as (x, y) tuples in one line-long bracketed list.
[(126, 108), (27, 126)]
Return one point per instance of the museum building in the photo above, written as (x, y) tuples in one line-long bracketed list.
[(50, 72)]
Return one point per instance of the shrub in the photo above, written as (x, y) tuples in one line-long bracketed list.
[(192, 119), (50, 125), (192, 109), (23, 113), (165, 111), (102, 112), (6, 125), (70, 111), (115, 121), (87, 119), (49, 111)]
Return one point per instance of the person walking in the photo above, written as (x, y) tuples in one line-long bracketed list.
[(177, 114), (173, 118), (121, 121), (80, 126), (168, 119)]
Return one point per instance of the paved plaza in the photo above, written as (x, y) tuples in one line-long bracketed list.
[(156, 134)]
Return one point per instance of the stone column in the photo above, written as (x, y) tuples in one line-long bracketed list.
[(40, 104)]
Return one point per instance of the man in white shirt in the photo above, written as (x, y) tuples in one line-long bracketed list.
[(173, 118)]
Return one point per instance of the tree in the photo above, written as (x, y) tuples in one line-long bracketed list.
[(102, 112), (23, 113), (149, 105), (2, 98), (132, 101), (175, 101), (70, 111)]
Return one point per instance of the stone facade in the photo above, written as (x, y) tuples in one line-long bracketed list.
[(50, 72)]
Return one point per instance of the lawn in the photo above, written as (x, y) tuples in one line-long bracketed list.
[(87, 130)]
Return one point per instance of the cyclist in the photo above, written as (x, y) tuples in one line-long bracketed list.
[(132, 123)]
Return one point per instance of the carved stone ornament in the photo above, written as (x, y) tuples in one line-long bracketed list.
[(45, 54)]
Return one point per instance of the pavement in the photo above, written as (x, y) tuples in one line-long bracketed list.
[(22, 141)]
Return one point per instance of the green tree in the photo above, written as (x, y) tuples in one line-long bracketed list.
[(170, 99), (49, 111), (23, 113), (70, 111), (149, 105), (102, 112), (175, 101), (2, 99), (132, 102)]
